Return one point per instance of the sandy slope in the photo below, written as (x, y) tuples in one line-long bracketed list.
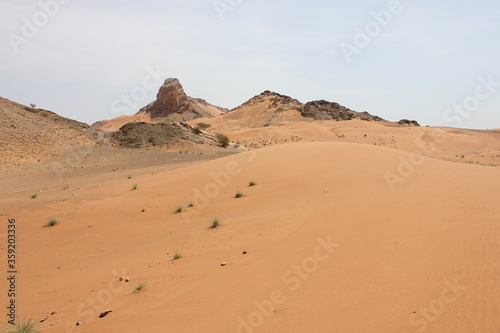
[(356, 258), (29, 136)]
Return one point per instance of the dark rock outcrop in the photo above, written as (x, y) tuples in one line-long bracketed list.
[(324, 110), (165, 134), (406, 122), (141, 134)]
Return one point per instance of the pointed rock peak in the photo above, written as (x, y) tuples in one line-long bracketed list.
[(170, 82), (173, 103), (171, 98)]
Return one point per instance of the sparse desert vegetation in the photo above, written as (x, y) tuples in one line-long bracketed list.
[(23, 326), (34, 195), (179, 209), (252, 183), (203, 126), (239, 194), (215, 223), (139, 286), (134, 187), (52, 222), (222, 139), (177, 255)]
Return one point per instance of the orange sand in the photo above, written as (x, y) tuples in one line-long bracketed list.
[(422, 257)]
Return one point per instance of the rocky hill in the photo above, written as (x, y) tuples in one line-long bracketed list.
[(324, 110), (268, 108), (171, 104), (263, 110), (167, 136)]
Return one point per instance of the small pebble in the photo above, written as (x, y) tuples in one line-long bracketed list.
[(54, 312), (127, 280), (104, 313), (244, 252), (223, 264), (78, 323)]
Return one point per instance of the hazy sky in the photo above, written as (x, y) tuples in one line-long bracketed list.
[(434, 61)]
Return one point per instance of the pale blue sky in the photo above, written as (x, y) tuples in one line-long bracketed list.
[(429, 57)]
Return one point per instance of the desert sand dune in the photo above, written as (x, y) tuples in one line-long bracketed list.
[(452, 144), (331, 245)]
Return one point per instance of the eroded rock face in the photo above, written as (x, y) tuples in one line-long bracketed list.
[(171, 98), (173, 103)]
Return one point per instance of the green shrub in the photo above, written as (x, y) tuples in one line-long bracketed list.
[(139, 286), (215, 223), (203, 125), (222, 139), (52, 222), (23, 326)]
